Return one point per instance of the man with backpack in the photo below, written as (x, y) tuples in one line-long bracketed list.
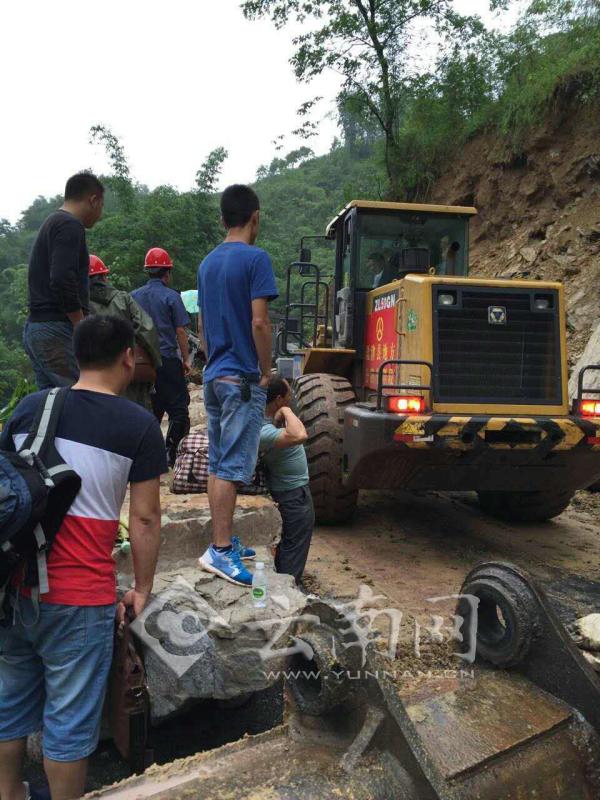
[(56, 641), (105, 299)]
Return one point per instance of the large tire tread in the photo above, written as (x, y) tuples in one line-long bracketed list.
[(525, 506), (321, 401)]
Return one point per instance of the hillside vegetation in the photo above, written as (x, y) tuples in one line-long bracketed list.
[(507, 122)]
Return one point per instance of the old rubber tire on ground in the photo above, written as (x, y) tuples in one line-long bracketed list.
[(321, 400), (525, 506)]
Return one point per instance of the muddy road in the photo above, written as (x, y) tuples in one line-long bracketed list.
[(412, 547)]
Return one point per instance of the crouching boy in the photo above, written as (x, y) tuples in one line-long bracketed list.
[(282, 445)]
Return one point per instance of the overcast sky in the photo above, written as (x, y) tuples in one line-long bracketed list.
[(173, 79)]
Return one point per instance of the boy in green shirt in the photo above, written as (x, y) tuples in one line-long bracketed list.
[(282, 447)]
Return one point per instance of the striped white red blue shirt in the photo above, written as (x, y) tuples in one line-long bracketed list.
[(109, 442)]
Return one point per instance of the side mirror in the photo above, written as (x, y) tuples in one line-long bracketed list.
[(305, 255)]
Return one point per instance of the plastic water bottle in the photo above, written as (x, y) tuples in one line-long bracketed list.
[(259, 586)]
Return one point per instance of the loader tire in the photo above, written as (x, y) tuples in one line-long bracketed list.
[(525, 506), (321, 400)]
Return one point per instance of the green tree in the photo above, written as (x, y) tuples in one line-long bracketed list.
[(209, 173), (372, 44), (120, 181)]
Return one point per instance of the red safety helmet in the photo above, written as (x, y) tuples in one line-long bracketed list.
[(157, 258), (97, 266)]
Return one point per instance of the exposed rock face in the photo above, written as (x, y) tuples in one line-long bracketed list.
[(539, 209), (591, 355), (204, 638)]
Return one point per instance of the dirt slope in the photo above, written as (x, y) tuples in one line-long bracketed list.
[(539, 210)]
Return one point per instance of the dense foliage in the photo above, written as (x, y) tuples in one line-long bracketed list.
[(394, 142), (480, 79)]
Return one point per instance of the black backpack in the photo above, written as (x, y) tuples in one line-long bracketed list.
[(37, 488)]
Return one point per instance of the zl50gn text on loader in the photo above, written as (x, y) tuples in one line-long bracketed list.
[(422, 378)]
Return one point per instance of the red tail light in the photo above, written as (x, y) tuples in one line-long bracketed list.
[(590, 408), (407, 405)]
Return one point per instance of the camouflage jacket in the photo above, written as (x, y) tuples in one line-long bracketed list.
[(105, 299)]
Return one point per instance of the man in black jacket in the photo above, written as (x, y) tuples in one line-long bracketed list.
[(59, 283)]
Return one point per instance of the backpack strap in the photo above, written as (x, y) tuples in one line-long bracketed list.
[(45, 423), (42, 433)]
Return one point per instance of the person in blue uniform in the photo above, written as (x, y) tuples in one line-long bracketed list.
[(166, 308)]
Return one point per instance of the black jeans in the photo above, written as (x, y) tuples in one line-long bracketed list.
[(171, 395), (171, 392), (298, 516)]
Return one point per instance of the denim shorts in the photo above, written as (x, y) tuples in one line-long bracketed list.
[(53, 675), (234, 427), (49, 346)]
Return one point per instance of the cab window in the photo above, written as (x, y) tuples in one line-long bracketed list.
[(392, 246), (347, 252)]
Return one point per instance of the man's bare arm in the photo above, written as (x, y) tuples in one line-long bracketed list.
[(201, 334), (144, 535), (294, 433), (182, 338), (261, 333)]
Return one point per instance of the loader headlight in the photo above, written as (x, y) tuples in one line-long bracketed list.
[(447, 299), (542, 302), (590, 408), (406, 404)]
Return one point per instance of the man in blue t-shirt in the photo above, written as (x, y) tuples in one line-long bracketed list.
[(235, 284)]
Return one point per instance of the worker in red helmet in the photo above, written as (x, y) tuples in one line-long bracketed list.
[(105, 299), (166, 308)]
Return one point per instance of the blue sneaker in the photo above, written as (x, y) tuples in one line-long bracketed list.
[(246, 553), (226, 565)]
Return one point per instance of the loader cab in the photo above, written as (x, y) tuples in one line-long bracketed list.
[(379, 243)]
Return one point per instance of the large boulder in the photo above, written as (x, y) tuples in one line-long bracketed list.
[(187, 527), (204, 638), (202, 635)]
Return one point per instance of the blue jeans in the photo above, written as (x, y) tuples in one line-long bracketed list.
[(234, 427), (49, 346), (53, 674)]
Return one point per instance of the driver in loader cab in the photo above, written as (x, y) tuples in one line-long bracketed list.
[(376, 269)]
